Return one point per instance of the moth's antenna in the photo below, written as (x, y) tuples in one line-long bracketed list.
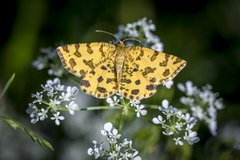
[(108, 33), (131, 39)]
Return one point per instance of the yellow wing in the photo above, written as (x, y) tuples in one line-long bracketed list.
[(81, 58), (101, 82), (133, 85), (156, 66)]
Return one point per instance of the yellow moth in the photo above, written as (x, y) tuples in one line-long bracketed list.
[(133, 71)]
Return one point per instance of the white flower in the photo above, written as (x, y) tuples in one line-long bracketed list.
[(39, 96), (107, 128), (112, 102), (212, 126), (59, 87), (179, 126), (189, 119), (167, 133), (189, 127), (189, 89), (167, 110), (51, 92), (140, 111), (72, 107), (218, 103), (168, 84), (134, 102), (133, 33), (54, 82), (187, 101), (113, 155), (212, 111), (158, 120), (191, 137), (43, 114), (177, 141), (97, 149), (157, 47), (33, 111), (115, 134), (73, 91), (126, 155), (57, 118), (65, 96), (197, 112), (54, 102)]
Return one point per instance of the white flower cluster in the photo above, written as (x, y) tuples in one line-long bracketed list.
[(203, 103), (139, 109), (176, 122), (141, 30), (56, 95), (120, 151), (50, 60)]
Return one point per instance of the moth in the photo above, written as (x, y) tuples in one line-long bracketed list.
[(133, 71)]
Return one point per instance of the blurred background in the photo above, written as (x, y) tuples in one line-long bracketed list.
[(205, 33)]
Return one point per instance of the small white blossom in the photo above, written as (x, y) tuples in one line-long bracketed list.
[(177, 141), (197, 112), (96, 150), (113, 155), (218, 104), (167, 133), (107, 128), (212, 126), (54, 102), (51, 92), (189, 119), (65, 96), (158, 120), (191, 137), (38, 96), (43, 114), (189, 127), (133, 33), (189, 89), (168, 84), (72, 106), (73, 91), (179, 126), (113, 102), (57, 118), (140, 111), (187, 101), (33, 111), (134, 102)]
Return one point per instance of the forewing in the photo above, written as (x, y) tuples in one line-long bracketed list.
[(156, 66), (133, 85), (81, 58), (101, 82)]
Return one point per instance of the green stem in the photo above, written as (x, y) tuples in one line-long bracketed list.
[(90, 108), (122, 115), (120, 122)]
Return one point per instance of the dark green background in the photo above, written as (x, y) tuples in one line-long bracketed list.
[(206, 33)]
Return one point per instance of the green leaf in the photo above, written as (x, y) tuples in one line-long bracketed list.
[(7, 85), (14, 124)]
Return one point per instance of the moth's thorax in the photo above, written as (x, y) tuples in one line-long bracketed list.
[(120, 50)]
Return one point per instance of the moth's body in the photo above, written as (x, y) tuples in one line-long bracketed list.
[(133, 71), (120, 57)]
